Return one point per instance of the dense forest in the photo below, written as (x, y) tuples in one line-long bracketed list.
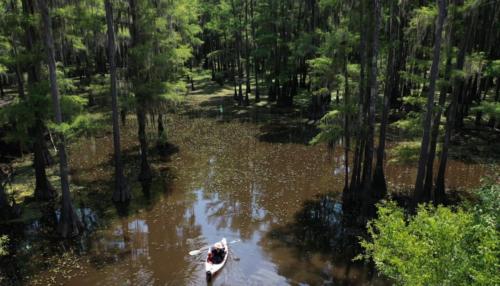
[(379, 83)]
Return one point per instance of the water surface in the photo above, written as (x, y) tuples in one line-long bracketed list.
[(250, 179)]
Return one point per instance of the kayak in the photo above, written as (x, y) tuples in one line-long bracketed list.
[(212, 268)]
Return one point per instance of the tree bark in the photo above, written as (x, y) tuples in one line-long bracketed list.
[(43, 189), (145, 173), (368, 160), (420, 195), (440, 195), (347, 145), (5, 207), (247, 56), (379, 182), (121, 192), (437, 120), (2, 92), (69, 223), (255, 61)]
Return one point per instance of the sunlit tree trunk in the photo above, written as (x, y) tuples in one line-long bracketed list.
[(121, 192), (69, 223), (420, 195)]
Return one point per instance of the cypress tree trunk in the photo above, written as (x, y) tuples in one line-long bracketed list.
[(145, 172), (437, 120), (5, 208), (379, 182), (2, 92), (368, 160), (440, 195), (256, 63), (247, 56), (121, 192), (43, 189), (358, 152), (19, 74), (69, 223), (420, 195), (346, 125)]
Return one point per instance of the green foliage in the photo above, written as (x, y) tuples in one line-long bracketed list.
[(4, 241), (22, 113), (331, 128), (489, 109), (411, 125), (493, 68), (439, 245), (82, 125), (421, 23), (405, 152)]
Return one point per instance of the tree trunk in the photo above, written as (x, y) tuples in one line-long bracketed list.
[(145, 173), (358, 152), (69, 223), (43, 189), (440, 195), (2, 92), (420, 195), (437, 120), (162, 136), (255, 61), (346, 125), (121, 192), (5, 207), (379, 182), (247, 56), (368, 160)]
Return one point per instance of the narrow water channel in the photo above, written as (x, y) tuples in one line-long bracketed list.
[(244, 179)]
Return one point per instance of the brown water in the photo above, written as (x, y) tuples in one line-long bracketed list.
[(227, 177)]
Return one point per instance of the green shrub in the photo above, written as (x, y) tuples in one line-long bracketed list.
[(405, 152), (438, 246), (4, 240)]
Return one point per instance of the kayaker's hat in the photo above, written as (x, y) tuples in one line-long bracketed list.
[(218, 245)]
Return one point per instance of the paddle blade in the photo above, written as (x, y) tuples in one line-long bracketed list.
[(194, 252)]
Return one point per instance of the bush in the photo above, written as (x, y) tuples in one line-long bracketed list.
[(438, 246), (4, 240), (405, 152)]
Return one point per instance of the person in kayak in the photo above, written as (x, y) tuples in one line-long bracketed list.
[(217, 254)]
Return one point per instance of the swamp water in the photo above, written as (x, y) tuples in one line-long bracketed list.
[(233, 176)]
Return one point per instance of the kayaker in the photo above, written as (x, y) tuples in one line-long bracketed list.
[(217, 253)]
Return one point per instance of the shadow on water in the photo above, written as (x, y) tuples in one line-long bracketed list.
[(324, 237), (35, 247)]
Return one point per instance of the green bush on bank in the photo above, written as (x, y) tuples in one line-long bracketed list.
[(439, 245)]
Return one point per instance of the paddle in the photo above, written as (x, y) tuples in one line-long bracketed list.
[(197, 251)]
